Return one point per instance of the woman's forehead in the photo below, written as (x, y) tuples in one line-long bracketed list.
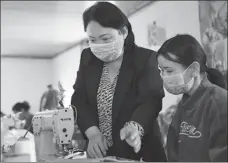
[(162, 61), (165, 63), (94, 29)]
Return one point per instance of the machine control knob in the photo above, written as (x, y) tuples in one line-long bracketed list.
[(64, 129)]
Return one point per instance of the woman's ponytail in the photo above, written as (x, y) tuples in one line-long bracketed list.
[(216, 77)]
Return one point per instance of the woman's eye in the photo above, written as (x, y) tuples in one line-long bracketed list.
[(169, 71), (91, 40), (106, 39)]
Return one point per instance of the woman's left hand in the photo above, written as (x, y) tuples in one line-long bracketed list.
[(132, 136)]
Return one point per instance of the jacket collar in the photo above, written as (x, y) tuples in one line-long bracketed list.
[(190, 102)]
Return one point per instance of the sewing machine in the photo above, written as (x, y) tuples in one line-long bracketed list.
[(56, 127), (53, 128)]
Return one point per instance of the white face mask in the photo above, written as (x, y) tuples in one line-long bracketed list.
[(175, 84), (108, 52)]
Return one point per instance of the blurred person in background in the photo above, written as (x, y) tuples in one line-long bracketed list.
[(23, 109), (198, 130), (27, 115), (118, 91), (50, 99), (17, 110)]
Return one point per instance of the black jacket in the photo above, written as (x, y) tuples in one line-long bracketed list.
[(138, 97), (198, 132)]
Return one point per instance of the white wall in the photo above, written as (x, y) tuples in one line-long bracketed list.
[(23, 79), (65, 69), (175, 16)]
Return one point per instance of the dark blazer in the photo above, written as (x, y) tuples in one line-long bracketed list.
[(138, 97)]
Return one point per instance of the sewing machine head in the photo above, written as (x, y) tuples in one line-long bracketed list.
[(54, 127), (51, 129), (60, 122)]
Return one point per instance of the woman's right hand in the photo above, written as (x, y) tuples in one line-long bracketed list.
[(98, 145)]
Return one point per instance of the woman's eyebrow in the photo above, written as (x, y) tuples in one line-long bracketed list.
[(91, 37), (100, 35), (104, 35), (165, 67)]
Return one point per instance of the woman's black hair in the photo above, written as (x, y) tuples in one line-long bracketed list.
[(109, 15), (17, 107), (20, 106), (187, 50), (26, 105), (217, 77)]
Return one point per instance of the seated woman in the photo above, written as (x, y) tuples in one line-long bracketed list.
[(24, 108), (198, 131)]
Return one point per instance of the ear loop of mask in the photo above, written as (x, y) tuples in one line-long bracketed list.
[(183, 73), (194, 73)]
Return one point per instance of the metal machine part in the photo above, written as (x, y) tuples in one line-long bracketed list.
[(52, 128)]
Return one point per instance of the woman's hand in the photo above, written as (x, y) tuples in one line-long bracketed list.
[(98, 145), (131, 134)]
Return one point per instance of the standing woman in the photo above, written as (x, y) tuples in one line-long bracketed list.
[(198, 131), (118, 91)]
